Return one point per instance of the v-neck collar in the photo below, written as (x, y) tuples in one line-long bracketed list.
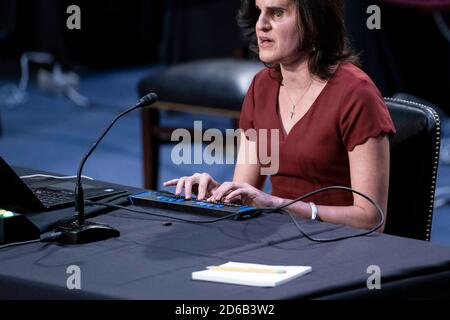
[(284, 135)]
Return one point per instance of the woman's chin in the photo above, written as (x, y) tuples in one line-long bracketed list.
[(267, 59)]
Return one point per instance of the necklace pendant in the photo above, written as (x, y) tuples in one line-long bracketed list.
[(293, 111)]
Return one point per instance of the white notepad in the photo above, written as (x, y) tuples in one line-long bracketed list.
[(281, 274)]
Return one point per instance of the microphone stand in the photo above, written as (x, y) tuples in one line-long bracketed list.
[(80, 230)]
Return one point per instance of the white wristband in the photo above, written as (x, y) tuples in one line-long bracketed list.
[(313, 211)]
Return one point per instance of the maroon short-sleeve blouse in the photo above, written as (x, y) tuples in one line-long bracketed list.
[(348, 111)]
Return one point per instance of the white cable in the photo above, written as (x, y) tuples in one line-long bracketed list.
[(24, 77), (76, 97), (62, 83), (445, 151), (10, 95), (13, 95), (54, 177), (441, 197)]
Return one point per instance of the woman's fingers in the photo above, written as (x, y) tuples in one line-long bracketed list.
[(200, 183), (215, 196), (172, 182), (180, 185), (203, 186), (234, 194), (188, 188), (223, 190)]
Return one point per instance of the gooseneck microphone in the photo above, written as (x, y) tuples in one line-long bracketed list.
[(81, 231)]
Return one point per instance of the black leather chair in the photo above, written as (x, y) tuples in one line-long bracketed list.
[(413, 169), (215, 86), (219, 86)]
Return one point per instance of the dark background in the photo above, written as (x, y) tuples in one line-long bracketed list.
[(113, 32), (121, 42), (408, 54)]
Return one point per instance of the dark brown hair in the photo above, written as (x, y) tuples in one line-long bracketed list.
[(322, 34)]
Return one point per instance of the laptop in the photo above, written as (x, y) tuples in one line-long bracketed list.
[(48, 194)]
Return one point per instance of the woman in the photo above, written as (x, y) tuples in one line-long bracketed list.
[(333, 122)]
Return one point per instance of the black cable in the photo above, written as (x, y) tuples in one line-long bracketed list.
[(19, 243), (232, 215), (89, 214), (46, 238), (330, 239), (273, 210), (364, 233), (51, 236), (55, 235)]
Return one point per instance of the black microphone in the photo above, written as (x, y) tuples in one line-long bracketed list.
[(81, 231)]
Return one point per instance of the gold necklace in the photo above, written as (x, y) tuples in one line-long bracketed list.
[(292, 113)]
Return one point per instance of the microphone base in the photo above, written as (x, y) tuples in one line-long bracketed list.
[(74, 233)]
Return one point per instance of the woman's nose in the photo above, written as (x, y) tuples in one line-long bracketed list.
[(262, 23)]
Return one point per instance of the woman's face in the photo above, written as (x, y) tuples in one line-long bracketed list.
[(278, 31)]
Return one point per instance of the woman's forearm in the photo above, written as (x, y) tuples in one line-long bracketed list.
[(353, 216)]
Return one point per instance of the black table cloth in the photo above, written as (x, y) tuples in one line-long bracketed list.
[(153, 259)]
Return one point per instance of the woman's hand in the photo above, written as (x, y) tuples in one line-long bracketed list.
[(201, 184), (244, 193)]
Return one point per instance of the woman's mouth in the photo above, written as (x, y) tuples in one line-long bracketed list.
[(265, 42)]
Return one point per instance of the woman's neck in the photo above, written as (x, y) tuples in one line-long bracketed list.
[(296, 74)]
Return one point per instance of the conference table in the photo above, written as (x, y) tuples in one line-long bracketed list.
[(154, 258)]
